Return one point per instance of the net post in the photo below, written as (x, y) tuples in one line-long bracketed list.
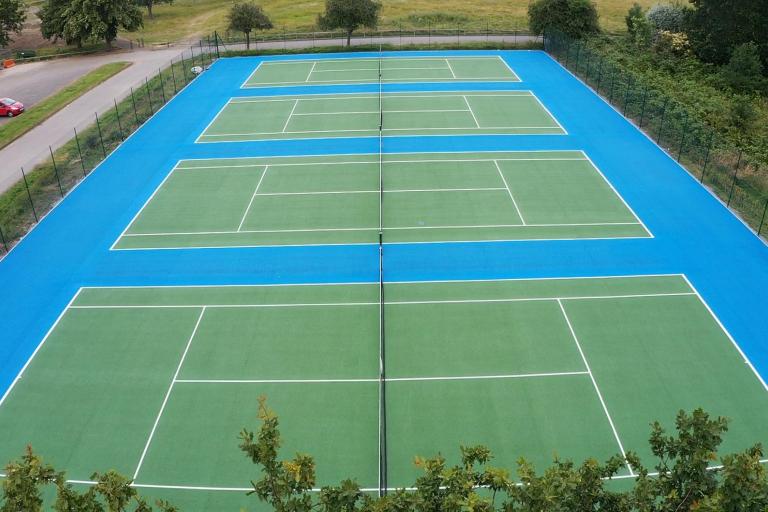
[(29, 194)]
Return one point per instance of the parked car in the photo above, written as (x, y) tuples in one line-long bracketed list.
[(10, 108)]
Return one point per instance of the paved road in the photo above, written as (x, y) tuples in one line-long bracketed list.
[(32, 148)]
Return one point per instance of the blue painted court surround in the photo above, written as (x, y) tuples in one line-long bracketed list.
[(694, 233)]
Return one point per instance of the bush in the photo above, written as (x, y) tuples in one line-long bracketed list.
[(666, 17), (673, 44), (743, 113), (744, 71), (574, 18)]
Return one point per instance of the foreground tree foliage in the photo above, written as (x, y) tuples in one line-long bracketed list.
[(574, 18), (349, 15), (685, 478), (149, 4), (246, 16)]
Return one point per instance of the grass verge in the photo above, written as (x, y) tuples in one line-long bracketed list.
[(52, 104)]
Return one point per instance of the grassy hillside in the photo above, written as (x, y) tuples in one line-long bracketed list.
[(188, 18)]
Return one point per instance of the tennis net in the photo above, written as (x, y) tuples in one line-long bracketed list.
[(382, 344)]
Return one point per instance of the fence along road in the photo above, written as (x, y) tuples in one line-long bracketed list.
[(32, 148)]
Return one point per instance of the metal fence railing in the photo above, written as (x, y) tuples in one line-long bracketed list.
[(737, 178), (38, 190)]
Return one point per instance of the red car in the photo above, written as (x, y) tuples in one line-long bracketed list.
[(10, 108)]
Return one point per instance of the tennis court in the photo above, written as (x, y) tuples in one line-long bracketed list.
[(392, 69), (573, 367), (397, 114), (426, 198)]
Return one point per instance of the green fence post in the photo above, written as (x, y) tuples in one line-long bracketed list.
[(642, 108), (587, 68), (5, 244), (663, 115), (162, 83), (173, 75), (599, 75), (119, 124), (682, 137), (149, 96), (762, 221), (626, 97), (56, 170), (735, 174), (216, 42), (135, 112), (101, 139), (706, 156), (610, 89), (29, 195), (79, 152)]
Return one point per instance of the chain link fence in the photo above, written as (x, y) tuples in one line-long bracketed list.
[(738, 179), (40, 189)]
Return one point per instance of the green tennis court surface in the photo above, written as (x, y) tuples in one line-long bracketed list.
[(157, 382), (393, 69), (359, 115), (427, 198)]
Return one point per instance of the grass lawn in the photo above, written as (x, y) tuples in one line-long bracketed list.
[(52, 104), (185, 18)]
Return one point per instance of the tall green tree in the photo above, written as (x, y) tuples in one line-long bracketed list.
[(716, 27), (349, 15), (52, 20), (149, 4), (246, 16), (12, 16), (100, 19), (574, 18), (24, 479)]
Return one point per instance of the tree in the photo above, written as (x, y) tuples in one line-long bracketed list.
[(80, 20), (52, 20), (151, 3), (744, 71), (21, 487), (716, 27), (669, 17), (639, 29), (12, 16), (574, 18), (247, 16), (349, 15)]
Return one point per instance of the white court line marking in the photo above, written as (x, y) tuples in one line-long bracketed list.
[(386, 162), (378, 112), (366, 130), (285, 126), (387, 303), (347, 96), (478, 189), (594, 383), (387, 228), (250, 203), (168, 393), (477, 123), (506, 185), (364, 489), (451, 68), (311, 70), (389, 379)]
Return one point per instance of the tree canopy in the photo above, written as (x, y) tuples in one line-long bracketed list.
[(574, 18), (77, 21), (12, 16), (246, 16), (151, 3), (717, 27), (349, 15)]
